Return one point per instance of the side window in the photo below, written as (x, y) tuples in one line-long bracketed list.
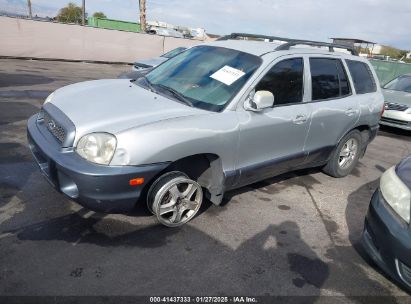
[(328, 79), (285, 81), (361, 74)]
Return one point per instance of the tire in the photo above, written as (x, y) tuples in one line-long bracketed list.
[(174, 198), (153, 188), (346, 155)]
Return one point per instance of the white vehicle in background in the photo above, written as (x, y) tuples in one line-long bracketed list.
[(165, 32), (155, 61), (397, 95), (142, 67)]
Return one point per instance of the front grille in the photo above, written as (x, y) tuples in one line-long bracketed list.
[(392, 106), (54, 127), (394, 121)]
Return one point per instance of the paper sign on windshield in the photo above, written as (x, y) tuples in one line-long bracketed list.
[(227, 75)]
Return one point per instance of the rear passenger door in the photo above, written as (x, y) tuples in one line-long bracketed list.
[(370, 102), (334, 108)]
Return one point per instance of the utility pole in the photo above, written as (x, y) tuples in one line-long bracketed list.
[(143, 23), (83, 13), (29, 6)]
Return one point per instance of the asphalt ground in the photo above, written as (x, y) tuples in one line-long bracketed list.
[(296, 234)]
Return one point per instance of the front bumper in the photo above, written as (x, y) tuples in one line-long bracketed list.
[(96, 187), (387, 240), (396, 119)]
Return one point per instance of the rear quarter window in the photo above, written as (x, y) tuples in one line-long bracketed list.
[(361, 74)]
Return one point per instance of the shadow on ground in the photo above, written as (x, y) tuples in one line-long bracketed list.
[(357, 207), (11, 112), (14, 80), (394, 132), (275, 260)]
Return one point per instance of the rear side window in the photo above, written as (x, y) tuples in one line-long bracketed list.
[(361, 74), (285, 81), (328, 79)]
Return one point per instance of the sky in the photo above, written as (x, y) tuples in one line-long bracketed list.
[(383, 21)]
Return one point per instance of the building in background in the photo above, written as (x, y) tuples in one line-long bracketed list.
[(364, 48), (153, 27), (113, 24)]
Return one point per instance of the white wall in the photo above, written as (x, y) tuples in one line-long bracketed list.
[(37, 39)]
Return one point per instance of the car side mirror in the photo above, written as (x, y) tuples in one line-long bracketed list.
[(260, 101)]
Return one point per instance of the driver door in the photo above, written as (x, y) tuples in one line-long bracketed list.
[(271, 141)]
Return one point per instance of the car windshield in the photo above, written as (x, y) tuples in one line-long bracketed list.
[(174, 52), (402, 83), (206, 76)]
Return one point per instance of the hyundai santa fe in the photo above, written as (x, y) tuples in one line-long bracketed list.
[(216, 117)]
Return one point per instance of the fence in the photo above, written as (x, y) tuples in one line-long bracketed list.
[(388, 70), (39, 39)]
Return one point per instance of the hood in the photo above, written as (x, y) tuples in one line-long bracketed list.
[(115, 105), (403, 171), (397, 97), (151, 61)]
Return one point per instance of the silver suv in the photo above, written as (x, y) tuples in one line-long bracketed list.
[(216, 117)]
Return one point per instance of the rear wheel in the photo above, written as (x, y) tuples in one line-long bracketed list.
[(175, 199), (346, 155)]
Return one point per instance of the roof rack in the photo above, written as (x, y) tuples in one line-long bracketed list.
[(331, 46), (290, 42), (255, 36)]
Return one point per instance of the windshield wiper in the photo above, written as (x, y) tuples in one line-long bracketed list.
[(175, 93), (149, 84)]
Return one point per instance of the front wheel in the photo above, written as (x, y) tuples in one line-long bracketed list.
[(345, 157), (175, 199)]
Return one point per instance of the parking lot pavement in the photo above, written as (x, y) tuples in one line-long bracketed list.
[(296, 234)]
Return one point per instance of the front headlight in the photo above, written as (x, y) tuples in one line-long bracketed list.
[(396, 193), (97, 147), (49, 98)]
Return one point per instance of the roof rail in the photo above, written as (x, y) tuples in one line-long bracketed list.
[(331, 46), (290, 42), (255, 36)]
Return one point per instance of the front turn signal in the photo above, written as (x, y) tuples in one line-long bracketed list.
[(136, 181)]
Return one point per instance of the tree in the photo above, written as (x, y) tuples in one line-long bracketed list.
[(99, 15), (392, 52), (70, 14)]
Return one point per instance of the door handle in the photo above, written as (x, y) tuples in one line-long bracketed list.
[(350, 112), (300, 119)]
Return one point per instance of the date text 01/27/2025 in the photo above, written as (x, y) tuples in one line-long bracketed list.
[(203, 299)]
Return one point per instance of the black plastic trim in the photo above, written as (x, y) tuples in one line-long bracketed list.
[(270, 168)]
